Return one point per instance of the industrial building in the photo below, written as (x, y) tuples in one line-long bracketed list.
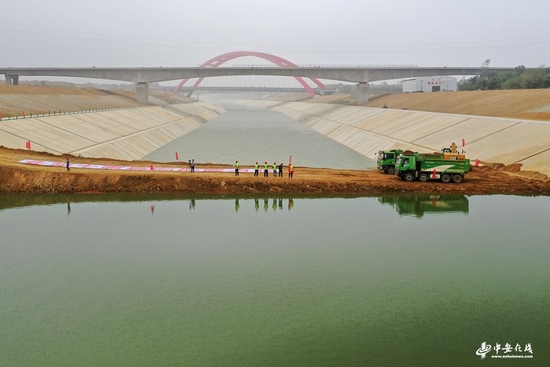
[(430, 84)]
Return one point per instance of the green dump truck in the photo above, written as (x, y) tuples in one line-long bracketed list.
[(386, 160), (425, 167)]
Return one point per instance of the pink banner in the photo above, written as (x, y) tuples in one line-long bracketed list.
[(129, 168)]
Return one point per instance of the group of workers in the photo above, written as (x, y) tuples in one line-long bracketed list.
[(277, 169)]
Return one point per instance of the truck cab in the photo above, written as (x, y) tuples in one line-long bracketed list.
[(405, 163), (386, 160)]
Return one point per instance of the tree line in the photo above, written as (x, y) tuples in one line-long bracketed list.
[(520, 78)]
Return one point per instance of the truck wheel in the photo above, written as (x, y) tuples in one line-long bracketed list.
[(457, 178), (390, 171), (423, 177), (445, 178), (409, 177)]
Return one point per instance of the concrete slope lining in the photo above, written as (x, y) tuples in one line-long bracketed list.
[(371, 129), (121, 134)]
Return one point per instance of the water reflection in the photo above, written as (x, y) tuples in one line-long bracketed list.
[(418, 205), (408, 205), (277, 204)]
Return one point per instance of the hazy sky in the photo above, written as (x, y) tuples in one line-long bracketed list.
[(359, 32)]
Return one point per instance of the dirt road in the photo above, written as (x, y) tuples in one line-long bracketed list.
[(16, 177)]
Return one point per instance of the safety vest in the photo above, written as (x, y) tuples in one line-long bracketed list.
[(274, 167), (237, 165), (266, 166), (291, 168), (256, 166)]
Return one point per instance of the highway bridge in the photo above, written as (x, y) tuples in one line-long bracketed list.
[(142, 76)]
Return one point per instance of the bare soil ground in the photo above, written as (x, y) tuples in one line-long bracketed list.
[(16, 177), (16, 100), (529, 104)]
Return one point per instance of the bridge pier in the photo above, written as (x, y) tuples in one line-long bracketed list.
[(12, 79), (142, 92), (362, 93)]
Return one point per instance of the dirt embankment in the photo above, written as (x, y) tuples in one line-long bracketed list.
[(530, 104), (16, 177), (18, 100)]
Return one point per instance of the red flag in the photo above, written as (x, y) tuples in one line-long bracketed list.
[(177, 156), (152, 168), (28, 144), (463, 142)]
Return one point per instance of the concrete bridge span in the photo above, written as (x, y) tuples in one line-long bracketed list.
[(144, 75)]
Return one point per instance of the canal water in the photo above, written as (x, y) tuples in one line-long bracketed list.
[(252, 135), (273, 281)]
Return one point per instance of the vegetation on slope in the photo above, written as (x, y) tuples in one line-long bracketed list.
[(521, 78)]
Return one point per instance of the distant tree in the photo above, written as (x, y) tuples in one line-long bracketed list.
[(534, 78), (520, 78), (493, 83), (520, 69), (512, 83)]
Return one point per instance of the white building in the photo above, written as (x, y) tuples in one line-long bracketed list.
[(430, 84)]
